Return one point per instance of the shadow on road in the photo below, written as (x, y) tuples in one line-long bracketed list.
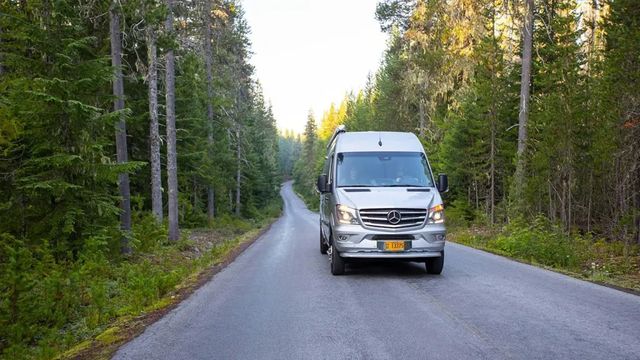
[(385, 268)]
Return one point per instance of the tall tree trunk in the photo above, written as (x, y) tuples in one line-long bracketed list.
[(590, 199), (421, 112), (492, 171), (1, 60), (172, 161), (121, 127), (154, 131), (208, 58), (525, 94), (494, 115), (238, 172), (637, 203)]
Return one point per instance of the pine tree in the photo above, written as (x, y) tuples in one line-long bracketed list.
[(172, 166), (618, 130), (121, 129), (525, 94), (154, 131), (208, 59)]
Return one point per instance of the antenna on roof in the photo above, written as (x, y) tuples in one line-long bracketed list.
[(379, 140), (339, 129)]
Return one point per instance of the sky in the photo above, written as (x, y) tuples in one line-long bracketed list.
[(310, 53)]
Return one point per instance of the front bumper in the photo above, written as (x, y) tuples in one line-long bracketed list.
[(355, 241)]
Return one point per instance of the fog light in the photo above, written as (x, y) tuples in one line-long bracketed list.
[(440, 237), (343, 237)]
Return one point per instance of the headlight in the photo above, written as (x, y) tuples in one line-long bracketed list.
[(436, 215), (346, 215)]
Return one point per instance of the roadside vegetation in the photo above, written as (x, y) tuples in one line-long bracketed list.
[(543, 243), (62, 304), (531, 107), (124, 125)]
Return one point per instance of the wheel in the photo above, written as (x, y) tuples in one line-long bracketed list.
[(435, 265), (337, 262), (323, 244)]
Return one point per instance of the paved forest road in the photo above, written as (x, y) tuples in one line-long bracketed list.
[(278, 300)]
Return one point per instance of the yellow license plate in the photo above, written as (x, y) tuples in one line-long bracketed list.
[(394, 245)]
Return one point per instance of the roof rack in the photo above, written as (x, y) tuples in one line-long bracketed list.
[(339, 129)]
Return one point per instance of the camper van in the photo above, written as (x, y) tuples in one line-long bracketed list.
[(379, 200)]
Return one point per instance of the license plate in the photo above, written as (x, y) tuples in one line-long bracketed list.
[(394, 245)]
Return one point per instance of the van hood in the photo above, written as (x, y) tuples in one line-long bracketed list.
[(388, 197)]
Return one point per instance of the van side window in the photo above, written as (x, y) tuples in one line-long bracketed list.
[(326, 167), (330, 168)]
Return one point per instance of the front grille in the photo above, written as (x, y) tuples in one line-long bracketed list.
[(393, 237), (378, 218)]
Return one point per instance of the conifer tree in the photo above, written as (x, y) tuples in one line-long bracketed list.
[(525, 93), (154, 130), (121, 129), (208, 59), (172, 166)]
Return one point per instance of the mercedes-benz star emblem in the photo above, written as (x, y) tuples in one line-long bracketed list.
[(393, 217)]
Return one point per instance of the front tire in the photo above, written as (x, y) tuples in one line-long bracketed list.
[(434, 265), (323, 244), (337, 262)]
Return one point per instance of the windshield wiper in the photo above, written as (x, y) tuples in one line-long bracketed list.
[(359, 185)]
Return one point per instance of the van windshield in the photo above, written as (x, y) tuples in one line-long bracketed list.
[(381, 169)]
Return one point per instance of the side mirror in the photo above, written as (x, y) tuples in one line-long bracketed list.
[(443, 183), (322, 184)]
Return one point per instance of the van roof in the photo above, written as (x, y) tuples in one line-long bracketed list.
[(369, 141)]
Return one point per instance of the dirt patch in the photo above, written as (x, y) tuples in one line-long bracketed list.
[(202, 241), (126, 329)]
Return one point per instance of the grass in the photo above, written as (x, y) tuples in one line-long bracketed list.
[(542, 244), (87, 308)]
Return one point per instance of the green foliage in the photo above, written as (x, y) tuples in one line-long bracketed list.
[(289, 147), (540, 242), (459, 214), (59, 165), (47, 306), (147, 234), (545, 243), (307, 168), (459, 62), (62, 276)]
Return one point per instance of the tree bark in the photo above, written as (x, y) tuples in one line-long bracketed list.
[(494, 115), (525, 94), (421, 113), (172, 161), (492, 171), (154, 132), (208, 58), (1, 60), (238, 172), (121, 127)]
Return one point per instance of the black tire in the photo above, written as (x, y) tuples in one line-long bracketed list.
[(337, 262), (434, 265), (324, 247)]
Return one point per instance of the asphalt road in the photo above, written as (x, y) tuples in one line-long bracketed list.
[(278, 300)]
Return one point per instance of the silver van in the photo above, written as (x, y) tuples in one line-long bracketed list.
[(379, 200)]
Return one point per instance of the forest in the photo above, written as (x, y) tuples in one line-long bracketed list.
[(132, 130), (533, 110), (123, 124)]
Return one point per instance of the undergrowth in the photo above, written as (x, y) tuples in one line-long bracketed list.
[(544, 243), (47, 306)]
